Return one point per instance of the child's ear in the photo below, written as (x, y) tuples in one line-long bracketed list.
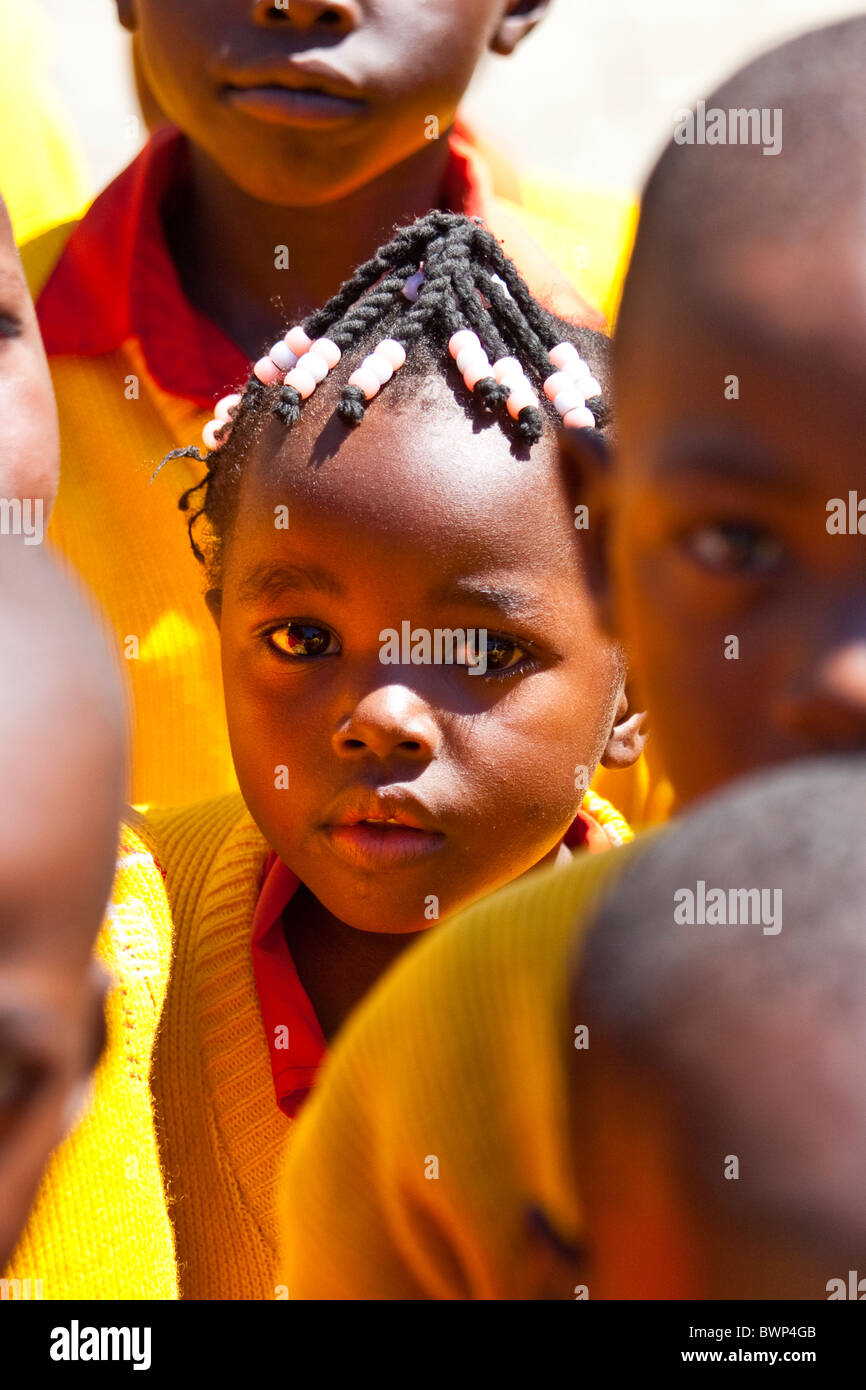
[(519, 19), (587, 464), (214, 600), (628, 736)]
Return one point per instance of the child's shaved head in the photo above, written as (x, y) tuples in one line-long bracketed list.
[(62, 740), (723, 1106), (728, 536), (741, 230)]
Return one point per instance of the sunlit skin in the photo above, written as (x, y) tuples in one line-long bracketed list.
[(327, 174), (714, 516), (62, 793), (29, 441), (421, 516)]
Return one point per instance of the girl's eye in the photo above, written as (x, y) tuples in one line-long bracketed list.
[(303, 639), (499, 653), (732, 548)]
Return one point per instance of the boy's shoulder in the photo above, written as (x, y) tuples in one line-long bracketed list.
[(477, 1083)]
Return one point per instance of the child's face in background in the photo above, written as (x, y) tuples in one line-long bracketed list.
[(744, 619), (29, 442), (61, 729), (418, 516), (232, 75)]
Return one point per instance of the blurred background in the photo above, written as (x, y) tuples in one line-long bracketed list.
[(590, 97)]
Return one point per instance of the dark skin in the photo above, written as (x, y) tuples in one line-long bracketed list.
[(29, 442), (326, 175), (429, 519), (57, 856), (712, 521)]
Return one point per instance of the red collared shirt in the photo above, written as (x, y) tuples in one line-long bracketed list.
[(295, 1039), (115, 278)]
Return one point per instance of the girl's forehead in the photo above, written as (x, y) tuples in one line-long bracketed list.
[(418, 453), (433, 483)]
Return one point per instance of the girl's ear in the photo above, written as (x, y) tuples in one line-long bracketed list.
[(587, 464), (519, 19), (214, 600), (628, 736)]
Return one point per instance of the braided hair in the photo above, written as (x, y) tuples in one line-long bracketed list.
[(468, 282)]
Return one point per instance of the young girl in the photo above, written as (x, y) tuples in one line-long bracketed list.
[(388, 780), (300, 135)]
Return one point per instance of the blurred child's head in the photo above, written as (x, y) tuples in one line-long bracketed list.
[(720, 1105), (301, 102), (740, 386), (441, 513), (29, 442), (62, 735)]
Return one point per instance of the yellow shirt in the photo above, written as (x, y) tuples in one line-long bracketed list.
[(99, 1228), (41, 172), (442, 1117)]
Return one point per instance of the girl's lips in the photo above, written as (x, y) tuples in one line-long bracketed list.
[(371, 845), (310, 109)]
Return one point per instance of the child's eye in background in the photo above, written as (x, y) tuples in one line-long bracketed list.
[(734, 548), (300, 639), (10, 326)]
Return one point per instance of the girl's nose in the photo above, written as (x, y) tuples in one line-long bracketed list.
[(389, 721), (336, 16)]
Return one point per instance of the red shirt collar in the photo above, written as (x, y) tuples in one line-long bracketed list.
[(116, 280), (295, 1040), (296, 1043)]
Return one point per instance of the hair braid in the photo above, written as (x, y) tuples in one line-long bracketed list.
[(468, 282)]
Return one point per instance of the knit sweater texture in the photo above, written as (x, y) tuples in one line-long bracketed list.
[(99, 1228)]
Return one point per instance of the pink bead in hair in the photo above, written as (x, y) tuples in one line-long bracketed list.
[(476, 370), (559, 381), (267, 372), (506, 367), (299, 341), (521, 397), (465, 338), (394, 351), (302, 381), (378, 364), (210, 432), (366, 381), (581, 419), (227, 407), (314, 364), (327, 349), (563, 353)]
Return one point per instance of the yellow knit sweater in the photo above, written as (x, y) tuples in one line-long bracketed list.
[(443, 1118), (99, 1228), (222, 1135), (221, 1132)]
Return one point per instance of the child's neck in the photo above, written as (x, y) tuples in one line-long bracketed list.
[(337, 965), (225, 243)]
